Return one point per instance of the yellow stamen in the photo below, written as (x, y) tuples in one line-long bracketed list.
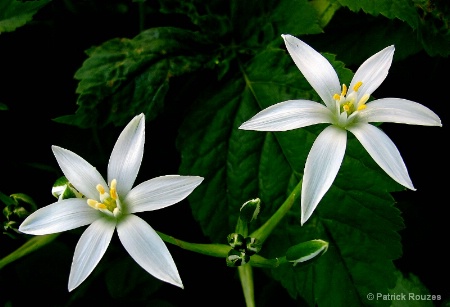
[(362, 107), (106, 201), (112, 190), (357, 86), (100, 189), (363, 100), (95, 204), (336, 97), (344, 90)]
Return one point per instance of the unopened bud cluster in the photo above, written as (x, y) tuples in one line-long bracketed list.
[(242, 249)]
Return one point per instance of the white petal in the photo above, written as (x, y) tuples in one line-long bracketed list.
[(288, 115), (63, 215), (315, 68), (126, 156), (373, 71), (160, 192), (321, 168), (383, 151), (148, 249), (90, 249), (397, 110), (82, 175)]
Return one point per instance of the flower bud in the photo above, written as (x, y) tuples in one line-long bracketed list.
[(236, 258), (236, 241), (306, 251), (252, 245), (250, 210), (62, 189)]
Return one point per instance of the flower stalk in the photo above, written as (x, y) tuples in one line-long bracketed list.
[(266, 229)]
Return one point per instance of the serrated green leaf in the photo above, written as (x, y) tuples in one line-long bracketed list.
[(428, 20), (401, 9), (123, 77), (355, 216), (410, 292), (14, 13)]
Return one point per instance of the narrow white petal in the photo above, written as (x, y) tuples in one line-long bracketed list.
[(315, 68), (383, 151), (288, 115), (321, 168), (373, 71), (63, 215), (126, 156), (160, 192), (90, 249), (148, 249), (397, 110), (82, 175)]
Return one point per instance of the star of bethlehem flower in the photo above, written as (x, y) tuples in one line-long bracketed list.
[(345, 109), (111, 205)]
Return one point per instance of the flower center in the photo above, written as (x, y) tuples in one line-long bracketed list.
[(109, 202), (350, 103)]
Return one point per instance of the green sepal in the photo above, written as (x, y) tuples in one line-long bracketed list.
[(306, 251)]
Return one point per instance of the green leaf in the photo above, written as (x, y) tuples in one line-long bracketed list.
[(14, 13), (355, 216), (124, 77), (401, 9), (429, 20), (410, 292), (126, 279), (325, 9)]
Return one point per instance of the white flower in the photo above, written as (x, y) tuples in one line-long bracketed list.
[(346, 110), (111, 206)]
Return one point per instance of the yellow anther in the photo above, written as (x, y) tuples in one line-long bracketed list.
[(112, 190), (336, 97), (357, 86), (95, 204), (92, 203), (362, 107), (344, 90), (100, 189)]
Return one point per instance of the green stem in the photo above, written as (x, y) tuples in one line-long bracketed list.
[(214, 250), (265, 230), (30, 246), (258, 261), (246, 277)]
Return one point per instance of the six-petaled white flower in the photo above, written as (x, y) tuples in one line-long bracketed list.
[(111, 205), (346, 109)]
